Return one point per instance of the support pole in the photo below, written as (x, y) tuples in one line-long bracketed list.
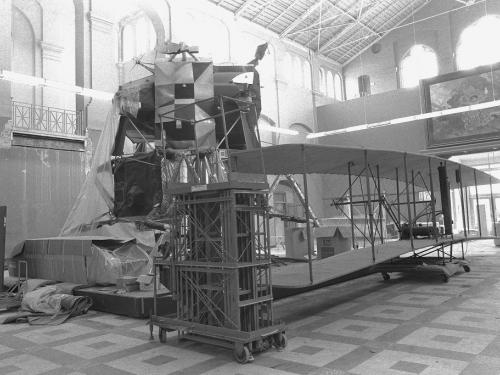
[(308, 228), (398, 198), (467, 207), (413, 195), (462, 201), (433, 202), (380, 212), (226, 140), (408, 204), (477, 205), (351, 207), (493, 213), (370, 208)]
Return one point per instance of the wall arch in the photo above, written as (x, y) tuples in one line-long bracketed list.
[(26, 52)]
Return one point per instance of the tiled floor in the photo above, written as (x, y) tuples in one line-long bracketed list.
[(408, 325)]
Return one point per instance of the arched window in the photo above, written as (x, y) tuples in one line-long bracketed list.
[(322, 81), (337, 84), (418, 63), (137, 35), (476, 45), (26, 50), (307, 74), (330, 88)]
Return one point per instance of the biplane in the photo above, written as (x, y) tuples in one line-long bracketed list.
[(408, 191)]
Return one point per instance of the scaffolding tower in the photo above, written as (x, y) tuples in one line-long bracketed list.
[(219, 263)]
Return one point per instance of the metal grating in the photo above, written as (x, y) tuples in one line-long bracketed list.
[(337, 29)]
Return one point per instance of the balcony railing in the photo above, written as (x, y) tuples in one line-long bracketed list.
[(47, 120)]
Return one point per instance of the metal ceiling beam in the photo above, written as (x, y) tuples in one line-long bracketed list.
[(264, 7), (244, 7), (349, 15), (383, 34), (302, 17), (317, 25), (347, 29), (282, 13)]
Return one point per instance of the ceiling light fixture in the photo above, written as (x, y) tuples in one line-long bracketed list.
[(274, 129), (402, 120), (25, 79)]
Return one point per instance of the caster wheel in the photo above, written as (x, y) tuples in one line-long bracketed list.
[(266, 344), (386, 276), (446, 278), (280, 340), (466, 268), (242, 355), (162, 334)]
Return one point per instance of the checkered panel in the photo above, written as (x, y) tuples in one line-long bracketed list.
[(177, 85)]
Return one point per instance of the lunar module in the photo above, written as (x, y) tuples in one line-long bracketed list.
[(183, 123)]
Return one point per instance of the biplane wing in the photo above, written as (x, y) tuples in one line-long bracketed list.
[(321, 159)]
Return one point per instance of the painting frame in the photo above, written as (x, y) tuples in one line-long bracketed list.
[(468, 127)]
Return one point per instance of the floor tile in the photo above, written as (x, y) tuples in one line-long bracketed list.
[(302, 322), (113, 320), (390, 362), (470, 319), (446, 339), (25, 365), (247, 369), (101, 345), (5, 349), (488, 305), (418, 299), (391, 312), (440, 289), (314, 352), (160, 361), (362, 329), (54, 333)]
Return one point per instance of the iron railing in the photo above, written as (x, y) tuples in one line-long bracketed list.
[(47, 120)]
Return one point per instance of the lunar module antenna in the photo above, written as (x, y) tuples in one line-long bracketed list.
[(259, 54), (174, 49)]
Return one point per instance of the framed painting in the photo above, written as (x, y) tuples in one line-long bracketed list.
[(460, 89)]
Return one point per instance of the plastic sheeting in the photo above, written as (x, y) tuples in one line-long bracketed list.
[(106, 266), (95, 201)]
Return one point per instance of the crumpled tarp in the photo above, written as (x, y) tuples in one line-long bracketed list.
[(47, 306)]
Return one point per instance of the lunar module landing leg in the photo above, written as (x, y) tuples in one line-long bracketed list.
[(220, 272)]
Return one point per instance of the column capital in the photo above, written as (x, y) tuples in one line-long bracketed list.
[(99, 23), (51, 51)]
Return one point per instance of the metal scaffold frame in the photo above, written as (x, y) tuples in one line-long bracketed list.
[(403, 206), (219, 263), (220, 272)]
